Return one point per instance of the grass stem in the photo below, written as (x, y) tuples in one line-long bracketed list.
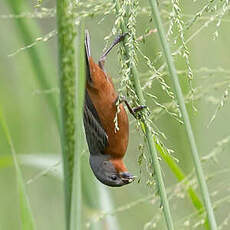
[(149, 136), (180, 98), (66, 53), (75, 222)]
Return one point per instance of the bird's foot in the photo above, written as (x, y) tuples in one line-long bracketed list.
[(134, 111)]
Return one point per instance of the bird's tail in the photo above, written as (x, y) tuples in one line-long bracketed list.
[(87, 44), (87, 55)]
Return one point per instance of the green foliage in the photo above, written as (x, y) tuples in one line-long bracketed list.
[(197, 32)]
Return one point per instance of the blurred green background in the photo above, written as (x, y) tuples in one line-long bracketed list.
[(33, 127)]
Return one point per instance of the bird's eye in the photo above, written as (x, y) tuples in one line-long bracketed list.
[(113, 177)]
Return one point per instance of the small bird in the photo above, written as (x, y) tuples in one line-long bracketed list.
[(107, 146)]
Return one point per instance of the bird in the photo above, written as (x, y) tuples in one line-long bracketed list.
[(107, 146)]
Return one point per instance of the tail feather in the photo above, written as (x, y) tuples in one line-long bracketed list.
[(88, 55), (87, 44)]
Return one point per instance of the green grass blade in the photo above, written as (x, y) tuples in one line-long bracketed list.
[(26, 216), (37, 55), (75, 222), (180, 176), (180, 98)]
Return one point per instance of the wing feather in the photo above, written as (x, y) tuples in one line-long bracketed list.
[(96, 136)]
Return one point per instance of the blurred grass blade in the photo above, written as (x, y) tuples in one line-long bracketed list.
[(75, 222), (66, 63), (106, 205), (180, 177), (26, 216), (179, 174), (97, 198), (27, 29), (180, 98)]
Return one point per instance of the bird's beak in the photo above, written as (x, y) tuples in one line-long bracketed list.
[(127, 177)]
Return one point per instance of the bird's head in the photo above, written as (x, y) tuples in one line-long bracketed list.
[(106, 173)]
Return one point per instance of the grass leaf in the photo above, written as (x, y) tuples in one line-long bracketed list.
[(75, 222), (26, 216)]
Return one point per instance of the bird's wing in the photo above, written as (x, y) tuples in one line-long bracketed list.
[(96, 136)]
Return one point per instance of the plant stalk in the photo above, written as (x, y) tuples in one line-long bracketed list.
[(152, 148), (75, 222), (66, 35)]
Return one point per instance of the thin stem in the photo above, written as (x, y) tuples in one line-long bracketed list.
[(152, 148), (180, 98)]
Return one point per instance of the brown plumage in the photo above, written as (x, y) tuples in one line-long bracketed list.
[(107, 147), (104, 96)]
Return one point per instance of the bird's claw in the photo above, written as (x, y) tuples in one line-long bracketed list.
[(121, 37)]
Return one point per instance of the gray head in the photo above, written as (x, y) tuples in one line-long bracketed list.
[(106, 173)]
